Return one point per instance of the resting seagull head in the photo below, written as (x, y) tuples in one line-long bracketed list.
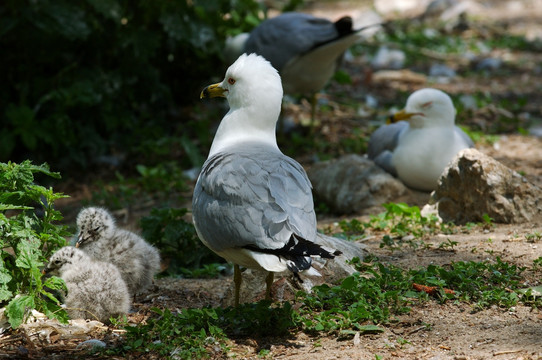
[(254, 92), (427, 108)]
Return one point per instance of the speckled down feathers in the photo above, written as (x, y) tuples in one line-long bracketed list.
[(99, 237), (95, 288)]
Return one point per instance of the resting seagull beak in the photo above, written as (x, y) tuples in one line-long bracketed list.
[(402, 115)]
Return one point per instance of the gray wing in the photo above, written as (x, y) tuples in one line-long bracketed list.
[(281, 38), (464, 136), (383, 142), (252, 197)]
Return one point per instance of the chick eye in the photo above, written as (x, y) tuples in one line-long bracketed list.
[(231, 81)]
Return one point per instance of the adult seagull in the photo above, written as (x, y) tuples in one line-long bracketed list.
[(253, 205), (304, 49), (421, 142)]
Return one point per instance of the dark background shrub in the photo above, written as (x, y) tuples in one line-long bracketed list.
[(82, 81)]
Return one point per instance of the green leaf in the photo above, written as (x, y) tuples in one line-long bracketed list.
[(369, 329), (55, 283), (54, 311), (27, 253), (17, 308), (348, 283)]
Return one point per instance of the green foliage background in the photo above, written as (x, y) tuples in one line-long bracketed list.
[(94, 77)]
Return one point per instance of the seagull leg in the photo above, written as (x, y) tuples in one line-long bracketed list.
[(269, 282), (237, 278)]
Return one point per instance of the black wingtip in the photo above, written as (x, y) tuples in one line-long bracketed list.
[(298, 252), (344, 26)]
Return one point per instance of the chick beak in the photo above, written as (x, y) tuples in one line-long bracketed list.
[(80, 240), (212, 91)]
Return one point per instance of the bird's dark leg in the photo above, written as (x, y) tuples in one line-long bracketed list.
[(269, 282), (237, 278)]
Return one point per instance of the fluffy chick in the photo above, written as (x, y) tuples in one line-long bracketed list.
[(95, 288), (137, 260)]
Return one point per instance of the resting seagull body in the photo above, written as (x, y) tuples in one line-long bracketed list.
[(418, 149), (253, 205), (303, 48)]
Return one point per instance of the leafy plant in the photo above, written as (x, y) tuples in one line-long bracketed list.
[(177, 240), (192, 333), (405, 224), (28, 236), (535, 236), (448, 244), (196, 333)]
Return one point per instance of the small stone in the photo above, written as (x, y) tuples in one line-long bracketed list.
[(386, 58), (441, 70)]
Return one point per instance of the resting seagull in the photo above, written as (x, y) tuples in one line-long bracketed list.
[(419, 148), (253, 205), (304, 49)]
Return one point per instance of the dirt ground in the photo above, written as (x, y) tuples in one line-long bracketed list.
[(432, 330)]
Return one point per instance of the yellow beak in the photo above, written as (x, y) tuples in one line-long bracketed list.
[(401, 115), (212, 91)]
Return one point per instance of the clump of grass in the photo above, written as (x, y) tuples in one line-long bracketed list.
[(403, 224)]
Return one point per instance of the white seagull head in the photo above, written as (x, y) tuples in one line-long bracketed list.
[(428, 108), (253, 89)]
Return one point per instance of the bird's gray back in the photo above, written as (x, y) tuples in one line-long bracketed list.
[(250, 195), (281, 38), (385, 138)]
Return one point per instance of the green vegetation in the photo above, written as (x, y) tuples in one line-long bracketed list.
[(102, 77), (179, 244), (158, 183), (28, 236), (402, 224), (364, 302)]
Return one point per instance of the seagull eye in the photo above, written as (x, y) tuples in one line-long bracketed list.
[(96, 229), (231, 81), (427, 105)]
